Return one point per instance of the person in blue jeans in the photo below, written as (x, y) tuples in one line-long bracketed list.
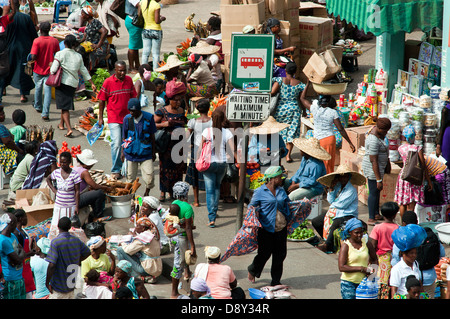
[(152, 33), (222, 141)]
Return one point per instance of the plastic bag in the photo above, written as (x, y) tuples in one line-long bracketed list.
[(95, 229), (409, 236), (94, 133), (40, 199), (367, 289)]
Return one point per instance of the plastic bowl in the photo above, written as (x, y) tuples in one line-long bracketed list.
[(256, 293), (444, 232)]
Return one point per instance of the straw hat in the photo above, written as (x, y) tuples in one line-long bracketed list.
[(204, 48), (172, 62), (357, 179), (269, 126), (311, 146)]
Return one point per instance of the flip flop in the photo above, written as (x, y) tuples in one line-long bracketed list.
[(24, 100), (70, 135)]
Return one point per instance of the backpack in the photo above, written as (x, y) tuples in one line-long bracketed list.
[(429, 253)]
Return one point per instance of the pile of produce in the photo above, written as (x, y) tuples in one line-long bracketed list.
[(87, 120), (98, 78), (277, 292), (302, 232), (74, 150), (123, 188), (218, 100), (44, 4), (256, 180)]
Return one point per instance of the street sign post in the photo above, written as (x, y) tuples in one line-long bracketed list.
[(251, 62), (248, 106)]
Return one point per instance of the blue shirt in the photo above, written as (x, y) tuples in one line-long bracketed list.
[(259, 141), (66, 252), (9, 245), (39, 267), (140, 148), (345, 201), (307, 174), (428, 276), (269, 204)]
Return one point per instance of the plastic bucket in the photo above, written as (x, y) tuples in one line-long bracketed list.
[(121, 209)]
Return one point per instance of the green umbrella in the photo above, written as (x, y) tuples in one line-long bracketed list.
[(391, 16)]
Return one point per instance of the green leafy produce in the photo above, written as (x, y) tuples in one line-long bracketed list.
[(98, 78), (302, 232)]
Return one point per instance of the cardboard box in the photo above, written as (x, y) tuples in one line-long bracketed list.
[(291, 15), (291, 4), (357, 135), (321, 66), (274, 7), (252, 14), (37, 213), (315, 32), (309, 8)]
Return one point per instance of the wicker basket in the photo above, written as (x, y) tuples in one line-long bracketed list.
[(166, 2)]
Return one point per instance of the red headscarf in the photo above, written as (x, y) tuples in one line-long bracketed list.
[(174, 88)]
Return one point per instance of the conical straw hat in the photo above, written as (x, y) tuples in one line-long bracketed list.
[(172, 62), (357, 179), (269, 126), (204, 48), (311, 146)]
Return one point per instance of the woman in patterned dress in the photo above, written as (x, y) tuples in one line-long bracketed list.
[(407, 194), (95, 33), (288, 108), (171, 117)]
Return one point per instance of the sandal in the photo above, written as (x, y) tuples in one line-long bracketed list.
[(69, 134), (229, 200), (212, 224)]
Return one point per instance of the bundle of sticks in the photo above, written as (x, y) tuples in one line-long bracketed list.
[(123, 188)]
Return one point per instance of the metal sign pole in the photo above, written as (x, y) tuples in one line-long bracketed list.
[(242, 177)]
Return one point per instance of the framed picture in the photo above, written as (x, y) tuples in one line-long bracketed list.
[(403, 78), (434, 72), (426, 52), (427, 84), (415, 85), (423, 69), (397, 97), (437, 56), (414, 65)]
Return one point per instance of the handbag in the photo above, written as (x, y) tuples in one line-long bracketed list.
[(413, 172), (118, 7), (28, 68), (138, 20), (204, 160), (162, 138), (434, 197), (54, 80)]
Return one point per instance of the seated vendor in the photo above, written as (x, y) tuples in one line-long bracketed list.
[(304, 182), (91, 193), (341, 186), (263, 146), (96, 34), (144, 251)]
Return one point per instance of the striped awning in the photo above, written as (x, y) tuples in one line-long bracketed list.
[(391, 16)]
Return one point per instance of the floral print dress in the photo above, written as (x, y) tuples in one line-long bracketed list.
[(405, 192), (288, 109)]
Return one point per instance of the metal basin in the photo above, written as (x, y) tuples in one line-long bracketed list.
[(122, 198)]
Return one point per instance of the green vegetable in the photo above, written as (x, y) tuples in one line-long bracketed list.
[(302, 232), (98, 78)]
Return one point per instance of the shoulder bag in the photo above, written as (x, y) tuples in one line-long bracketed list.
[(138, 20), (118, 7), (54, 80), (413, 172), (162, 137), (204, 160)]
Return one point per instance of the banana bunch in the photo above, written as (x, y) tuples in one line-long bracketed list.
[(201, 30), (189, 24)]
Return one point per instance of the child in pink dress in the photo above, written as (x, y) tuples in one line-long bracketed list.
[(381, 239)]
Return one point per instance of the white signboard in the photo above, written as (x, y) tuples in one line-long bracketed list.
[(251, 63), (248, 107)]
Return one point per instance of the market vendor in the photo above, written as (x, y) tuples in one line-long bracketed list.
[(326, 118), (342, 195), (91, 193), (273, 27), (261, 148), (96, 34), (304, 182)]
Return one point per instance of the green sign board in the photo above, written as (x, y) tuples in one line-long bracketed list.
[(251, 62)]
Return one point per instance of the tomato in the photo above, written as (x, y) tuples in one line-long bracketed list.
[(64, 144)]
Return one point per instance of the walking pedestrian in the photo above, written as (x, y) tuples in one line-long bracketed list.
[(115, 93), (139, 131)]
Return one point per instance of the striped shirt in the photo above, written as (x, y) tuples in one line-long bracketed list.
[(116, 94), (65, 195), (374, 146), (65, 253)]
